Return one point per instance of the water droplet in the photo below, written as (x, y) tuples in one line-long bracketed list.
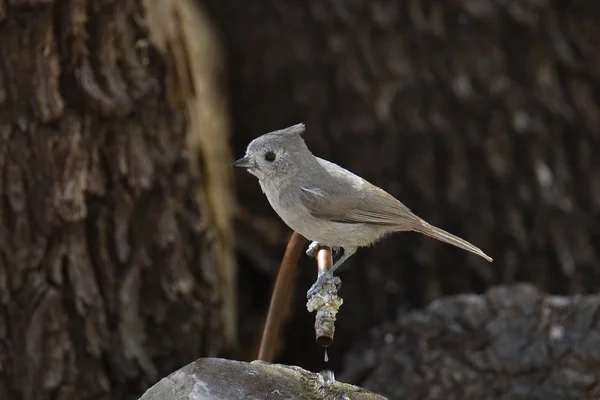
[(328, 377), (326, 355)]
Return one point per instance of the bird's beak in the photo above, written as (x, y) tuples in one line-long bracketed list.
[(243, 162)]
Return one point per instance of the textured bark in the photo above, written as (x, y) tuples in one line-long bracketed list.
[(114, 263), (482, 116), (513, 343)]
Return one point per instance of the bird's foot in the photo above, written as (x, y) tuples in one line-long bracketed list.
[(313, 249), (321, 280), (316, 286)]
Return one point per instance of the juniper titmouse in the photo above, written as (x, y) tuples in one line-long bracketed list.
[(326, 203)]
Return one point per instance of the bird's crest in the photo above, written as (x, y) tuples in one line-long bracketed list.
[(297, 129)]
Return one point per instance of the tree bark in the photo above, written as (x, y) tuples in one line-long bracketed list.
[(481, 116), (115, 259)]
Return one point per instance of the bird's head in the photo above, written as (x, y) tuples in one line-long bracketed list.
[(277, 155)]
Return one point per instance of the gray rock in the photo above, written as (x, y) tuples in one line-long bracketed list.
[(221, 379)]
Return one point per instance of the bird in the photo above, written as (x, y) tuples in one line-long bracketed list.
[(326, 203)]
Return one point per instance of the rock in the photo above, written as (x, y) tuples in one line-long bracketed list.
[(221, 379), (514, 342)]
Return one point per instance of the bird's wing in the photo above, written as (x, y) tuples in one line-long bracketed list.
[(341, 196), (347, 198)]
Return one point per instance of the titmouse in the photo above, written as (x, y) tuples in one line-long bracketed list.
[(326, 203)]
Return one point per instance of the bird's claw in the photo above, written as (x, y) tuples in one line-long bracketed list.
[(316, 286), (312, 250), (321, 280)]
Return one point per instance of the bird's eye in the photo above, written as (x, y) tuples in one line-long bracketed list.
[(270, 156)]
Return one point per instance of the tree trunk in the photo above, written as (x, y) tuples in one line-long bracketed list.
[(481, 116), (115, 258)]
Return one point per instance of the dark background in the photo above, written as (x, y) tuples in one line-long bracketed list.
[(481, 116), (117, 250)]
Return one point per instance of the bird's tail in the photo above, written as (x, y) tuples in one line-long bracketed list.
[(440, 234)]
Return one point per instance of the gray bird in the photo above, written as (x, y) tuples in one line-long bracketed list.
[(326, 203)]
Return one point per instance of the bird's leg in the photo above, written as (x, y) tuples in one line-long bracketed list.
[(348, 252)]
